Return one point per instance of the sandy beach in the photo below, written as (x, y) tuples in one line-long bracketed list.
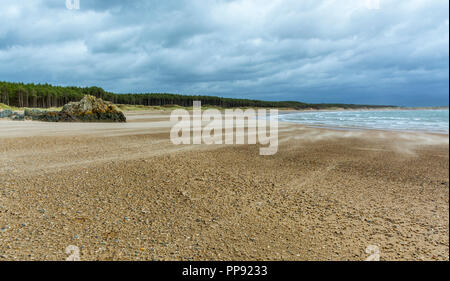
[(125, 192)]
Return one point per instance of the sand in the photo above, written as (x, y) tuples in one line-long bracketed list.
[(125, 192)]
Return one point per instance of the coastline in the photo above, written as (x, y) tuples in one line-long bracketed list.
[(328, 127), (326, 195)]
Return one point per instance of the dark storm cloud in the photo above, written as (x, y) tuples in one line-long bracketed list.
[(317, 51)]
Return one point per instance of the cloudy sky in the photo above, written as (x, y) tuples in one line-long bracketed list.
[(307, 50)]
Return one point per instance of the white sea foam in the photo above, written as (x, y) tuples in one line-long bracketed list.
[(402, 120)]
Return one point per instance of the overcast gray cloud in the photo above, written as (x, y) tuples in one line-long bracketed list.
[(307, 50)]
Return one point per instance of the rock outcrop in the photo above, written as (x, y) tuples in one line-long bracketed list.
[(89, 109), (7, 113)]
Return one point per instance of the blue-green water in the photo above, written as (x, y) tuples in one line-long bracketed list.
[(404, 120)]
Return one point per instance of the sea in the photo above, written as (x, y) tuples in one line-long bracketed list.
[(433, 120)]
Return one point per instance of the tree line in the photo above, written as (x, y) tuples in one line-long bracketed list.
[(46, 95)]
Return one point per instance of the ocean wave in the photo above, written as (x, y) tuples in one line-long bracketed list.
[(407, 120)]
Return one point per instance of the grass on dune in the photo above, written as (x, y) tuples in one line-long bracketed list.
[(128, 107), (14, 108), (123, 107), (4, 106)]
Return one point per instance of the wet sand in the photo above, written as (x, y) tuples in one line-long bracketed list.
[(125, 192)]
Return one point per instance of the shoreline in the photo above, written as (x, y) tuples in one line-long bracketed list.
[(161, 120), (329, 127)]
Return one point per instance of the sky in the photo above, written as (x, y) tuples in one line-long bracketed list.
[(390, 52)]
